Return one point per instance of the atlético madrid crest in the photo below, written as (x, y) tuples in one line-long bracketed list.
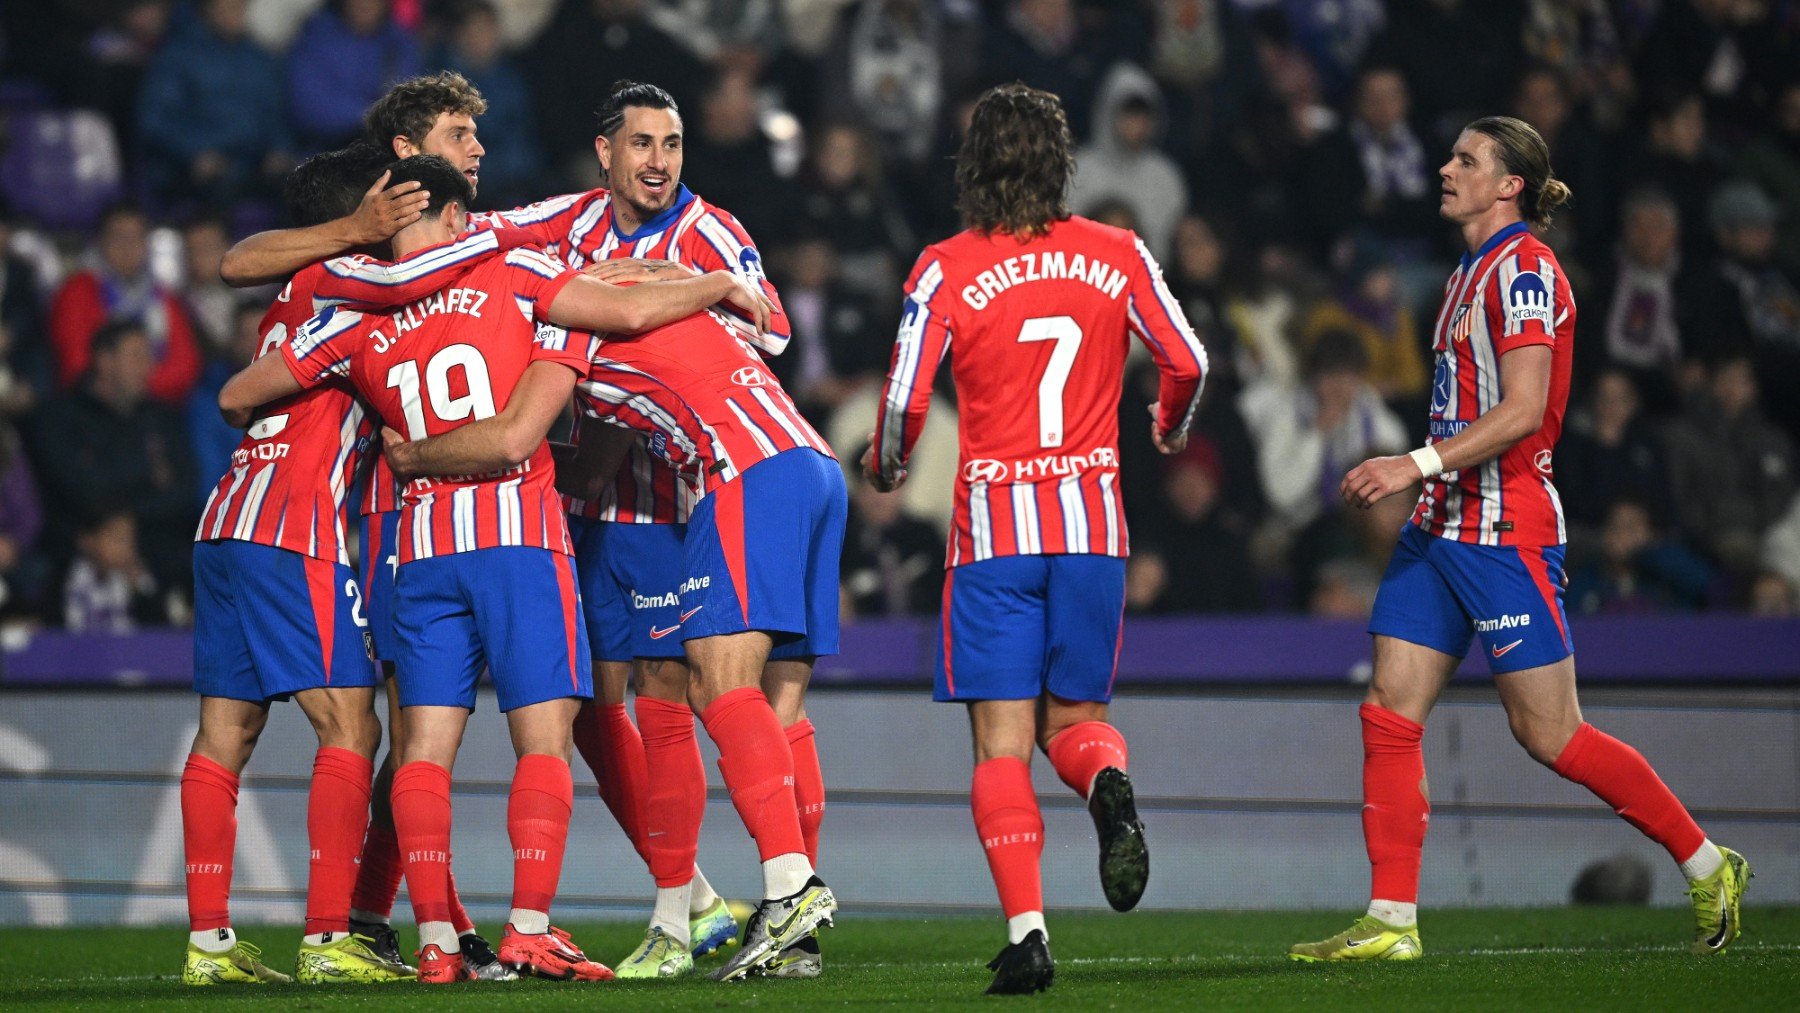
[(1461, 323)]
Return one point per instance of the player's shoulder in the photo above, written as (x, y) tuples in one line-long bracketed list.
[(546, 209), (329, 324), (532, 259)]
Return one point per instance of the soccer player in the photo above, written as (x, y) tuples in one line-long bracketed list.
[(761, 570), (1034, 588), (1483, 554), (479, 554)]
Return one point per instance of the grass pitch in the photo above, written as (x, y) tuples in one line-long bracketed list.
[(1512, 959)]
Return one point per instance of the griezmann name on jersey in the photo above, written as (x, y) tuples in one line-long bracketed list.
[(1041, 329)]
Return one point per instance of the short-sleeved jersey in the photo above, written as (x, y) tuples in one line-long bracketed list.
[(1041, 328), (582, 229), (290, 476), (439, 363), (700, 394), (1509, 294)]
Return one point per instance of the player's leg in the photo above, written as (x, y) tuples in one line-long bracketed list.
[(784, 682), (1421, 633), (1086, 598), (604, 733)]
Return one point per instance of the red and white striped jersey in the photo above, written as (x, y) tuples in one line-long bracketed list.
[(290, 476), (440, 363), (700, 394), (1042, 327), (1509, 294)]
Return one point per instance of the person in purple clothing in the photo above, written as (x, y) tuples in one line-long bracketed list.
[(344, 59)]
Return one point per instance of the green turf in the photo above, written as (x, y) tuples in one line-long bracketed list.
[(1532, 959)]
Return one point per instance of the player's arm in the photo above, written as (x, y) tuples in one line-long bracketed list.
[(717, 242), (367, 283), (495, 443), (1156, 318), (319, 352), (906, 393), (1525, 379), (271, 256), (586, 468), (592, 305)]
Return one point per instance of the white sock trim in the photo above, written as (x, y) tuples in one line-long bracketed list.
[(1398, 913), (529, 922), (213, 940), (671, 912), (785, 875), (1021, 925), (441, 933), (1703, 862), (703, 896)]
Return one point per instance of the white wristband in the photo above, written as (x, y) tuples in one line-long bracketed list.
[(1430, 464)]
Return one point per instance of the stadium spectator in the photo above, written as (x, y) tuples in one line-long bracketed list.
[(1644, 300), (1772, 161), (1608, 450), (1754, 306), (23, 330), (893, 562), (118, 55), (1204, 59), (1639, 568), (1454, 83), (1370, 305), (514, 163), (108, 589), (1542, 100), (118, 286), (210, 302), (837, 348), (344, 59), (1042, 43), (1377, 172), (22, 569), (212, 117), (1122, 163), (1731, 469), (1678, 157), (1309, 434), (1201, 547), (893, 65), (729, 158), (1780, 553), (106, 443), (211, 438), (846, 197)]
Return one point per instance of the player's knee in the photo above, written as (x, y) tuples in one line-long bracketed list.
[(1543, 739), (1000, 747)]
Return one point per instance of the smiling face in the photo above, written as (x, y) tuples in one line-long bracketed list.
[(1474, 180), (642, 161), (452, 137)]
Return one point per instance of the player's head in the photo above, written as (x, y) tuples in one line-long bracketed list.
[(1013, 172), (119, 363), (430, 115), (329, 186), (639, 147), (1500, 160), (450, 191), (124, 240)]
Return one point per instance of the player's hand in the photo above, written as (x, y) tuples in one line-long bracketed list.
[(398, 452), (1378, 478), (872, 474), (634, 269), (1167, 443), (384, 212), (747, 298)]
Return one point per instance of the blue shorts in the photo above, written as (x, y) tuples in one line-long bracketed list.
[(270, 622), (630, 579), (762, 554), (1437, 593), (380, 557), (1015, 627), (513, 611)]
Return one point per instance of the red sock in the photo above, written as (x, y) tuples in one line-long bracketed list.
[(337, 813), (614, 751), (1081, 751), (1624, 780), (758, 769), (422, 823), (1011, 830), (378, 873), (1395, 806), (675, 790), (809, 784), (459, 919), (209, 835), (537, 821)]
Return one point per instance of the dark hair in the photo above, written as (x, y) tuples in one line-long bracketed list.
[(445, 182), (1013, 172), (121, 209), (412, 107), (112, 334), (1524, 154), (626, 94), (329, 186), (1336, 350)]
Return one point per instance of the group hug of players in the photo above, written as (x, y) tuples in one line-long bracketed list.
[(686, 540)]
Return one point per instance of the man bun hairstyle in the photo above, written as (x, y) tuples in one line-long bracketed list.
[(435, 174), (412, 107), (1524, 154), (626, 94), (1013, 172), (329, 186)]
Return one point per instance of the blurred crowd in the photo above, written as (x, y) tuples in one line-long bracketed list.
[(1278, 156)]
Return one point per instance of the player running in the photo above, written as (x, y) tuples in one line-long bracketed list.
[(478, 551), (1483, 554), (1034, 590)]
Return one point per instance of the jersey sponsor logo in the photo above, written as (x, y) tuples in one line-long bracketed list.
[(1502, 623), (1527, 299), (685, 616), (750, 264), (659, 444), (1541, 461), (748, 376), (693, 584), (1499, 651), (1050, 265), (654, 601), (656, 634), (1440, 385), (984, 469), (1443, 429), (260, 452)]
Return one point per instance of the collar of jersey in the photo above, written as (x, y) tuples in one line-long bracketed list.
[(683, 197), (1494, 240)]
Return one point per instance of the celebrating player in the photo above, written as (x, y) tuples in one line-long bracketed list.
[(1483, 555), (1034, 592), (478, 552)]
